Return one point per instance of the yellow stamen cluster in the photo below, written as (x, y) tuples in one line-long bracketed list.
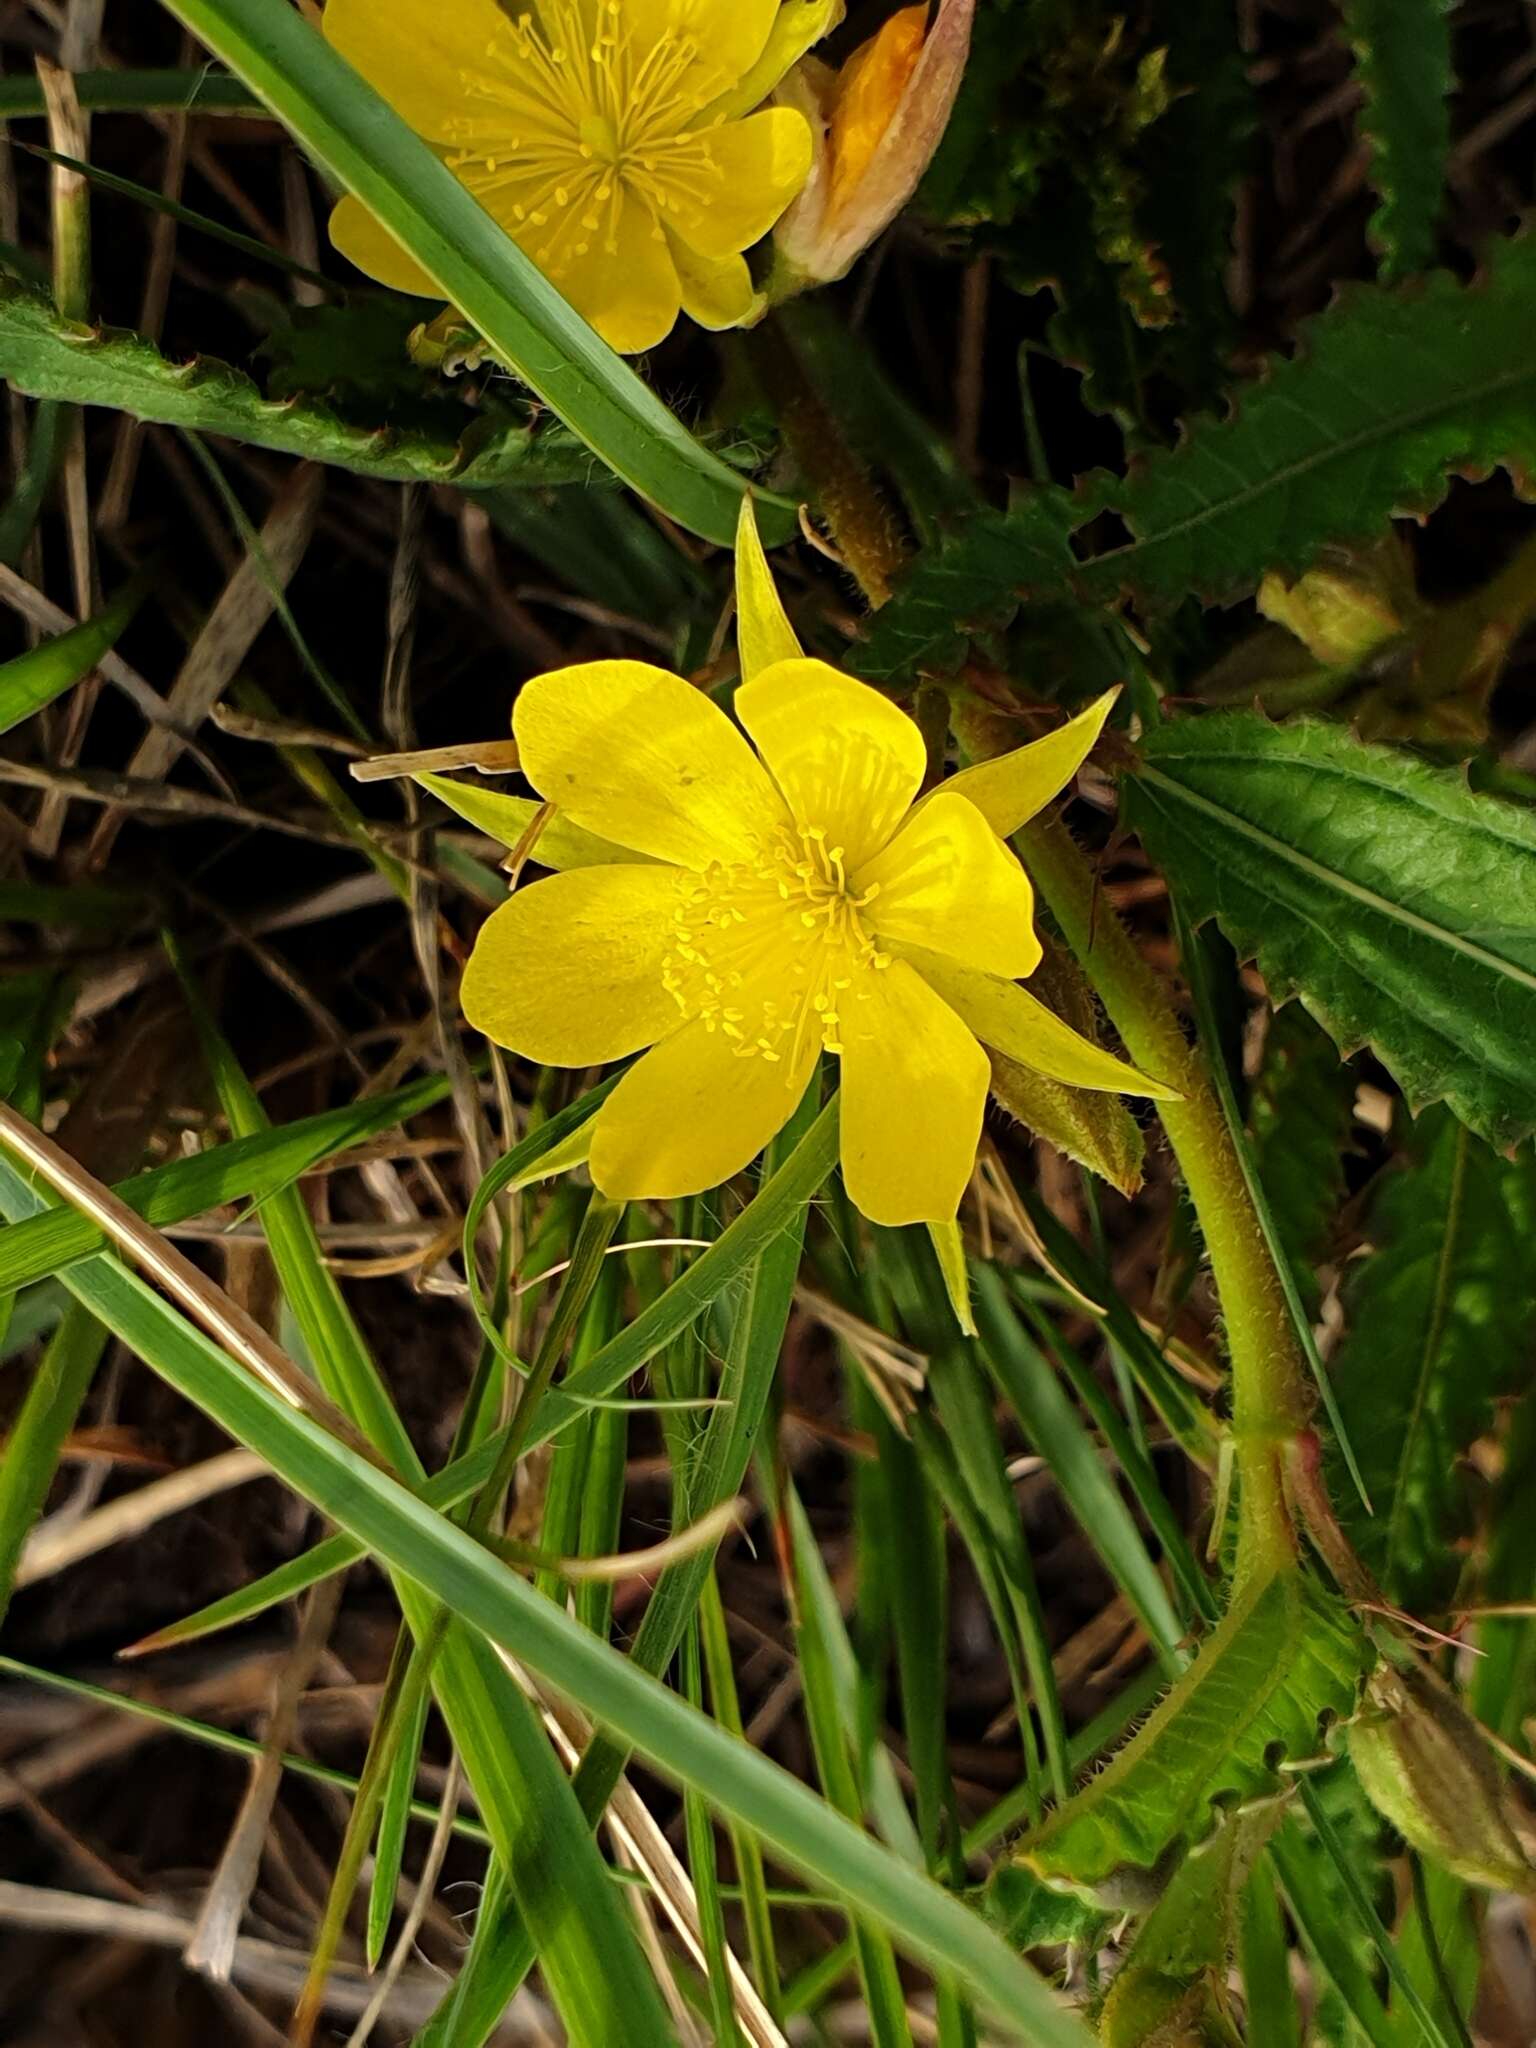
[(768, 950), (575, 121)]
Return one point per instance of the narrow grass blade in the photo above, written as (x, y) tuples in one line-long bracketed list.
[(364, 143), (587, 1951), (197, 91), (703, 1871), (23, 508), (967, 1418), (1370, 1920), (1192, 1425), (1127, 1445), (44, 673), (406, 1690), (768, 1223), (903, 1526), (1317, 1921), (934, 1927), (1273, 2021), (1026, 1382), (718, 1464), (36, 1438), (394, 1817), (187, 216), (817, 1627), (243, 1746), (499, 1958), (247, 1169), (751, 1881)]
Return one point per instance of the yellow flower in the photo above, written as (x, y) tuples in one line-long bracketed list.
[(741, 912), (603, 135)]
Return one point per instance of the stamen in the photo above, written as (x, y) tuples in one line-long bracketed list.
[(572, 117), (766, 951)]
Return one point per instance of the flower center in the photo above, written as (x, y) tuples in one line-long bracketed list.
[(573, 119), (770, 951)]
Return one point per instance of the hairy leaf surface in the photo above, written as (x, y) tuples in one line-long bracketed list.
[(1283, 1655), (1400, 907), (46, 356), (1441, 1319)]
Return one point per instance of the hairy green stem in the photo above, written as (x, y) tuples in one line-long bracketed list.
[(1269, 1386), (863, 525), (1269, 1392)]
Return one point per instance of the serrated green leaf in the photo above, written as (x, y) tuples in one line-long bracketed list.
[(1391, 393), (1403, 61), (1195, 158), (1299, 1113), (1441, 1320), (46, 356), (1400, 907), (1282, 1656), (970, 582)]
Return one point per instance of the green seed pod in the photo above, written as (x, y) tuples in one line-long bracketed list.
[(1425, 1765)]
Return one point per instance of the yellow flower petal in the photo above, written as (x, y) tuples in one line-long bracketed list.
[(508, 819), (619, 274), (364, 240), (914, 1091), (848, 762), (692, 1112), (716, 295), (763, 632), (415, 53), (568, 971), (728, 36), (642, 758), (1012, 789), (1009, 1019), (797, 26), (947, 881), (748, 173)]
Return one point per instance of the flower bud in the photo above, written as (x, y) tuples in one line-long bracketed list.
[(876, 124), (1424, 1764), (1346, 607)]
